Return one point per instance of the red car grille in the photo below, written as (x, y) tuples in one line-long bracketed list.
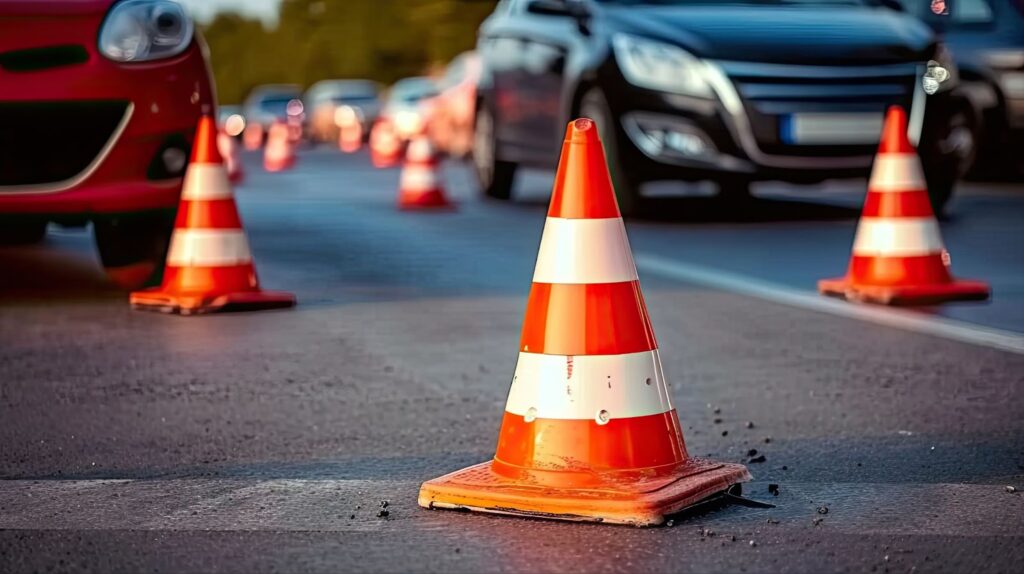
[(48, 142)]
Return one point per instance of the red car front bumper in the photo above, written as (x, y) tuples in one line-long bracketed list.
[(82, 135)]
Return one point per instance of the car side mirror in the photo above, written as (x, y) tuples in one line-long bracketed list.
[(575, 8)]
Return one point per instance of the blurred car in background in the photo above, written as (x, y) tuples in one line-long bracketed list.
[(452, 110), (273, 102), (230, 120), (408, 105), (323, 99), (986, 38), (730, 91), (98, 104)]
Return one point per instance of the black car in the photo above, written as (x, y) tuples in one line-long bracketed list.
[(731, 91), (986, 39)]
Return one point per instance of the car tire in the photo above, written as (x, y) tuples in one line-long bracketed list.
[(494, 175), (132, 248), (948, 157), (627, 189), (22, 232)]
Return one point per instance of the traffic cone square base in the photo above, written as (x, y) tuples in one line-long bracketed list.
[(183, 304), (615, 498), (958, 290)]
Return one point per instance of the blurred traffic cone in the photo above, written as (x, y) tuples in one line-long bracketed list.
[(898, 254), (252, 136), (589, 431), (350, 129), (279, 153), (209, 266), (420, 186), (228, 149), (385, 147)]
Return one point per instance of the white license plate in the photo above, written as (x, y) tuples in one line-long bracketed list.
[(831, 129)]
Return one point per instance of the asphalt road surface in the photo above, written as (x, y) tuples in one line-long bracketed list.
[(258, 442)]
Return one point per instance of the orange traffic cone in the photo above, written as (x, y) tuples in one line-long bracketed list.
[(589, 431), (898, 254), (420, 186), (209, 266), (228, 149), (252, 136), (385, 147), (279, 153), (350, 129)]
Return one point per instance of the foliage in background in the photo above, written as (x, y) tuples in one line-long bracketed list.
[(382, 40)]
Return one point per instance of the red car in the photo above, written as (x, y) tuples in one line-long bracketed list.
[(98, 102)]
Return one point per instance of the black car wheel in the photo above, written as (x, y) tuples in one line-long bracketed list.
[(627, 189), (133, 247), (947, 159), (22, 232), (494, 175)]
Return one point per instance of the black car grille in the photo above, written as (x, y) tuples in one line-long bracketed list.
[(47, 142), (772, 92), (35, 59)]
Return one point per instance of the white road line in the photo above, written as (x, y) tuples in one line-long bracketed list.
[(890, 317)]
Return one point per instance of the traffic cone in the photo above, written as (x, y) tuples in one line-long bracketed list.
[(898, 255), (209, 266), (228, 149), (420, 186), (589, 431), (279, 153), (385, 147), (350, 129), (252, 136)]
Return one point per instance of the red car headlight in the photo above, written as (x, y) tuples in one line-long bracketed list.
[(144, 30)]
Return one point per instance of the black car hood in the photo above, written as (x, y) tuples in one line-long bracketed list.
[(814, 35)]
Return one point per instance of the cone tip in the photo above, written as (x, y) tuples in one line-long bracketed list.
[(204, 147), (582, 130), (894, 132)]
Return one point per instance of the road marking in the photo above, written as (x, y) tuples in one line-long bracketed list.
[(899, 318)]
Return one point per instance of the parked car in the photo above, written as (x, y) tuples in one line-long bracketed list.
[(98, 104), (323, 99), (408, 105), (273, 102), (729, 91), (986, 38), (451, 117)]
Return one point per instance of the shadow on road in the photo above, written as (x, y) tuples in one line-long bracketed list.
[(52, 270)]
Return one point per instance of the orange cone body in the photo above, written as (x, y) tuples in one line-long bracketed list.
[(279, 153), (350, 138), (898, 255), (385, 146), (252, 137), (421, 186), (228, 149), (209, 266), (589, 430)]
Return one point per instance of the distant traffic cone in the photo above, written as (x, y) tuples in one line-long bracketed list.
[(589, 431), (228, 149), (385, 146), (350, 129), (421, 186), (252, 136), (898, 254), (209, 266), (279, 153)]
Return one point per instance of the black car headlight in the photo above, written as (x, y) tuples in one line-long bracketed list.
[(659, 66), (144, 30), (942, 74)]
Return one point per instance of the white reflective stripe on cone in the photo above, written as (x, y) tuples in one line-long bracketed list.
[(206, 181), (584, 251), (581, 386), (418, 178), (897, 172), (208, 248), (897, 237), (420, 150)]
